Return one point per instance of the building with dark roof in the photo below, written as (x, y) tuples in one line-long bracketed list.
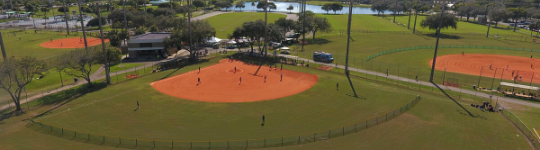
[(149, 45)]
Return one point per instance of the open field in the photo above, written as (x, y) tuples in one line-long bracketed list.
[(312, 112), (224, 25), (360, 22)]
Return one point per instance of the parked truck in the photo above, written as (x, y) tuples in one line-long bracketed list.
[(322, 56)]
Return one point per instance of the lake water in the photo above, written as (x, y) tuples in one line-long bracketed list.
[(282, 6)]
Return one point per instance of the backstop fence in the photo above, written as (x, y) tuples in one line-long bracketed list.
[(244, 144), (521, 126)]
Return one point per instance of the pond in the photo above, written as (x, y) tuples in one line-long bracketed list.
[(282, 7)]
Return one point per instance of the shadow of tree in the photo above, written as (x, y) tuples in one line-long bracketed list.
[(443, 36)]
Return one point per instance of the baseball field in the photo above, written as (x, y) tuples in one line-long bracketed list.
[(219, 103)]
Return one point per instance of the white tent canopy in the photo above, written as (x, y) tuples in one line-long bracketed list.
[(231, 42), (284, 48), (212, 40), (519, 86)]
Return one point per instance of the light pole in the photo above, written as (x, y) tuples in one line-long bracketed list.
[(518, 15), (489, 22), (437, 44), (65, 15)]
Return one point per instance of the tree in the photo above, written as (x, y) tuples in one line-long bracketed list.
[(380, 7), (262, 4), (395, 8), (164, 12), (200, 30), (213, 2), (16, 73), (124, 35), (327, 7), (290, 8), (336, 7), (497, 15), (182, 10), (167, 5), (285, 24), (534, 26), (87, 9), (139, 31), (59, 65), (95, 22), (114, 56), (531, 12), (240, 5), (252, 3), (142, 19), (114, 39), (198, 3), (275, 33), (118, 16), (224, 4), (79, 62), (516, 13), (433, 21), (320, 24), (168, 22), (63, 9)]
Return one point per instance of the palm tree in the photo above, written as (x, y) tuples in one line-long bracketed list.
[(107, 75), (124, 7), (66, 18), (82, 26)]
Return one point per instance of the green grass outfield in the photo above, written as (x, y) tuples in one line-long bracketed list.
[(435, 118), (226, 23)]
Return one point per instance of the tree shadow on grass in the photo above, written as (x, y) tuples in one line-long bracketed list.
[(8, 113), (176, 65), (318, 41), (443, 36), (446, 94), (63, 97)]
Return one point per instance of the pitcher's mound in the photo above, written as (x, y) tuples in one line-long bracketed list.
[(221, 83), (71, 43)]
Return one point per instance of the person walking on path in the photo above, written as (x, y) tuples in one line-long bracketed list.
[(263, 118), (386, 72), (281, 78), (337, 87), (416, 78), (240, 81)]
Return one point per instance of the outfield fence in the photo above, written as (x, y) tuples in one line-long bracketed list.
[(245, 144), (521, 126)]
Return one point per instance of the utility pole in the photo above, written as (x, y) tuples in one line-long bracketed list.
[(265, 47), (65, 15), (3, 48), (303, 23), (106, 64), (82, 25), (348, 43), (125, 20), (437, 45), (415, 17), (518, 15), (395, 11), (189, 26), (489, 22)]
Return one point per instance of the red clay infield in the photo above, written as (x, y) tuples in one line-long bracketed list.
[(472, 64), (219, 83), (71, 43)]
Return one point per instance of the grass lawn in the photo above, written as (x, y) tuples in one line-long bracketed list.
[(360, 22), (224, 25), (435, 118), (462, 27), (124, 66)]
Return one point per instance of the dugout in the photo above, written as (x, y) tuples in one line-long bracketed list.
[(148, 46), (519, 90)]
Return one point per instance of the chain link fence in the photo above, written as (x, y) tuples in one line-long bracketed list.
[(247, 144), (521, 126)]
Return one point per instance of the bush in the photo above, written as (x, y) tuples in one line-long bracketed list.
[(154, 28), (63, 9), (87, 9), (139, 31), (150, 10), (167, 5), (95, 22), (164, 12)]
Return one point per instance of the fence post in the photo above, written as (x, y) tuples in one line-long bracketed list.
[(344, 131), (298, 139), (329, 130), (62, 131), (154, 141), (355, 128), (49, 125), (264, 143), (88, 136), (281, 141), (136, 142), (172, 143), (119, 139), (314, 136), (103, 139), (75, 133), (366, 123), (246, 144), (209, 144), (227, 144), (386, 117), (377, 120)]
